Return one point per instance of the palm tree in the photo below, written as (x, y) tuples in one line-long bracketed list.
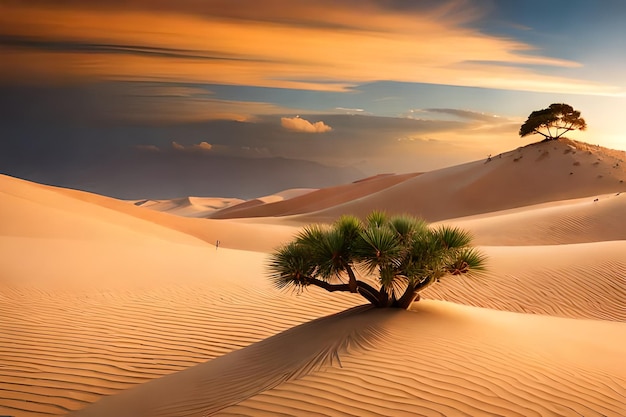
[(401, 254)]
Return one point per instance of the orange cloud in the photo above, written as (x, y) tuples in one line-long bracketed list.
[(298, 124), (329, 46), (203, 146), (200, 147), (177, 146)]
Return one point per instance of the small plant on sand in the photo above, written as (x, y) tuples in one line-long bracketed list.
[(553, 122), (398, 255)]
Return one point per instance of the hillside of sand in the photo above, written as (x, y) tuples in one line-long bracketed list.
[(110, 308), (545, 172)]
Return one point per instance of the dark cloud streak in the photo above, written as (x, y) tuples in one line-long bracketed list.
[(63, 45), (303, 13), (464, 114)]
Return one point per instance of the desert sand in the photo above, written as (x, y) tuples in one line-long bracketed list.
[(128, 308)]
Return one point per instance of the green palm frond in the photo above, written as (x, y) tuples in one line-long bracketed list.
[(378, 248), (386, 278), (452, 237), (426, 249), (431, 256), (332, 254), (393, 283), (290, 265), (312, 235), (407, 226), (467, 261), (330, 248), (376, 218), (349, 226)]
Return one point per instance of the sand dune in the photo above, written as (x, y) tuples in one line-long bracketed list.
[(33, 200), (286, 195), (95, 301), (585, 280), (315, 200), (64, 348), (110, 308), (590, 219), (31, 210), (206, 206), (537, 173), (189, 206), (439, 359), (457, 361)]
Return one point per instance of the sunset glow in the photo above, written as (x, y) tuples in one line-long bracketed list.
[(370, 44), (385, 64)]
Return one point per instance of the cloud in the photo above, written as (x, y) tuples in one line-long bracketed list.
[(77, 46), (325, 46), (298, 124), (348, 110), (203, 146), (177, 146), (459, 113), (200, 147), (206, 148), (148, 148)]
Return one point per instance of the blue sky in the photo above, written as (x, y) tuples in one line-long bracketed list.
[(375, 85)]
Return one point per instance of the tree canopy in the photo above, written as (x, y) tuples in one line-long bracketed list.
[(553, 122), (398, 256)]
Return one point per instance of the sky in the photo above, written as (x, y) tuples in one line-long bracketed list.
[(358, 87)]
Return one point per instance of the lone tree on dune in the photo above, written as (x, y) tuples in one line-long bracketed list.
[(402, 255), (553, 122)]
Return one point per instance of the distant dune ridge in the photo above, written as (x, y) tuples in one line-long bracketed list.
[(537, 173), (130, 308)]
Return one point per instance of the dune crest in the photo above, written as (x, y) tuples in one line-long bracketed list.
[(533, 174), (590, 219), (189, 206), (314, 200)]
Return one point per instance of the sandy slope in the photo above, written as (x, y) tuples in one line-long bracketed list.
[(99, 296), (590, 219), (240, 235), (585, 280), (207, 206), (534, 174), (315, 200), (189, 206), (94, 300), (457, 361), (440, 359)]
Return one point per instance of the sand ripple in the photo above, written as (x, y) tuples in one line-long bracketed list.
[(441, 359), (578, 281), (60, 352)]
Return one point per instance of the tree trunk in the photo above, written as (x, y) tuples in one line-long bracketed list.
[(351, 279), (328, 286), (409, 296), (383, 298), (372, 298), (425, 284), (373, 294), (363, 289)]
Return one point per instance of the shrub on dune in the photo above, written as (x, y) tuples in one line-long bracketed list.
[(553, 122), (399, 256)]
